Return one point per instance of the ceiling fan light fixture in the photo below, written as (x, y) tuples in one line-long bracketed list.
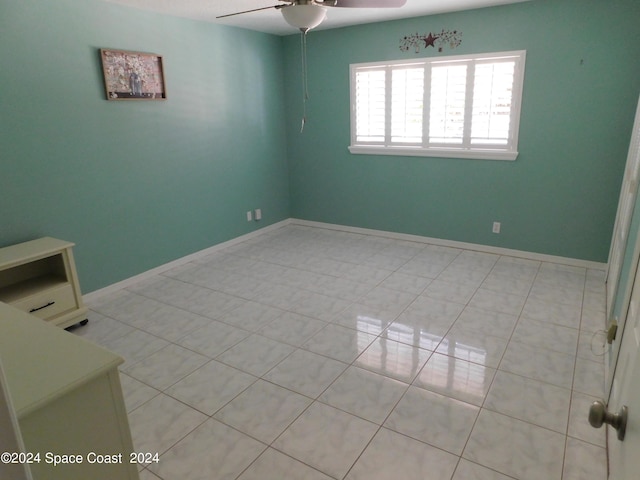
[(304, 17)]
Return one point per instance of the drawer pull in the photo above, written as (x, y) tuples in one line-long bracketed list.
[(40, 308)]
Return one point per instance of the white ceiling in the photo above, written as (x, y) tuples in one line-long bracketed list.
[(271, 21)]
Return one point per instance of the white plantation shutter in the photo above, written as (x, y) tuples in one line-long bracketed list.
[(463, 106), (447, 100), (492, 94), (407, 92), (370, 105)]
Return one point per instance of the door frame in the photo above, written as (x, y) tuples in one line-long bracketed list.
[(619, 250)]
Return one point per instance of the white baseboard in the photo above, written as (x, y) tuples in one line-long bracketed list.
[(92, 296), (574, 262)]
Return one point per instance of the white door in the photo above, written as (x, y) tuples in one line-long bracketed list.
[(619, 241), (624, 460), (10, 440)]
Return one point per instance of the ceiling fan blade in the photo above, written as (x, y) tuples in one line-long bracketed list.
[(366, 3), (254, 10)]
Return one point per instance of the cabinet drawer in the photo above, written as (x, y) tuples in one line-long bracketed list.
[(48, 303)]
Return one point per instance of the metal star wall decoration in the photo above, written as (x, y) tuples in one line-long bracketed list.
[(438, 40)]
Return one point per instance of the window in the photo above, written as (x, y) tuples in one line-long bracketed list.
[(462, 106)]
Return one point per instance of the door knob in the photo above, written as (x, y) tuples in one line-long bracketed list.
[(598, 415)]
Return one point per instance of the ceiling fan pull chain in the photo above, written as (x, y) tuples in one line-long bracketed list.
[(304, 63), (305, 88)]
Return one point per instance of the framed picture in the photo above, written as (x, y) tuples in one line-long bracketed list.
[(132, 75)]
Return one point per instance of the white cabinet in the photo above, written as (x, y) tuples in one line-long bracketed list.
[(65, 390), (67, 397), (39, 277)]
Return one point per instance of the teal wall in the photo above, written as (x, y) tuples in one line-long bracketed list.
[(582, 81), (136, 184)]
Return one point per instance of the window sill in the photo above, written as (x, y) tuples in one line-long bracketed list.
[(433, 152)]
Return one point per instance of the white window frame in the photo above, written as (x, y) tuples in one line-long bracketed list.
[(425, 149)]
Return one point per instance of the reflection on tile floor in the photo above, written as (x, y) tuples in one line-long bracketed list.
[(309, 354)]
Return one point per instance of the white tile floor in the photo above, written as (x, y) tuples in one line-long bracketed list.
[(307, 353)]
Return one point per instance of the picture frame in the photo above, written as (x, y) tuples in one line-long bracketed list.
[(133, 75)]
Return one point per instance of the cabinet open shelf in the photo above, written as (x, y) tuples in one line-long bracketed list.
[(32, 286)]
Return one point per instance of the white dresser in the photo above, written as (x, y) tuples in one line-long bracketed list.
[(67, 395)]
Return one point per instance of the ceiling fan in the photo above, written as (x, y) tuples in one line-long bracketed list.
[(308, 14)]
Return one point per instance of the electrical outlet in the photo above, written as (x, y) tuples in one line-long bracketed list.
[(257, 214), (496, 227), (249, 216)]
